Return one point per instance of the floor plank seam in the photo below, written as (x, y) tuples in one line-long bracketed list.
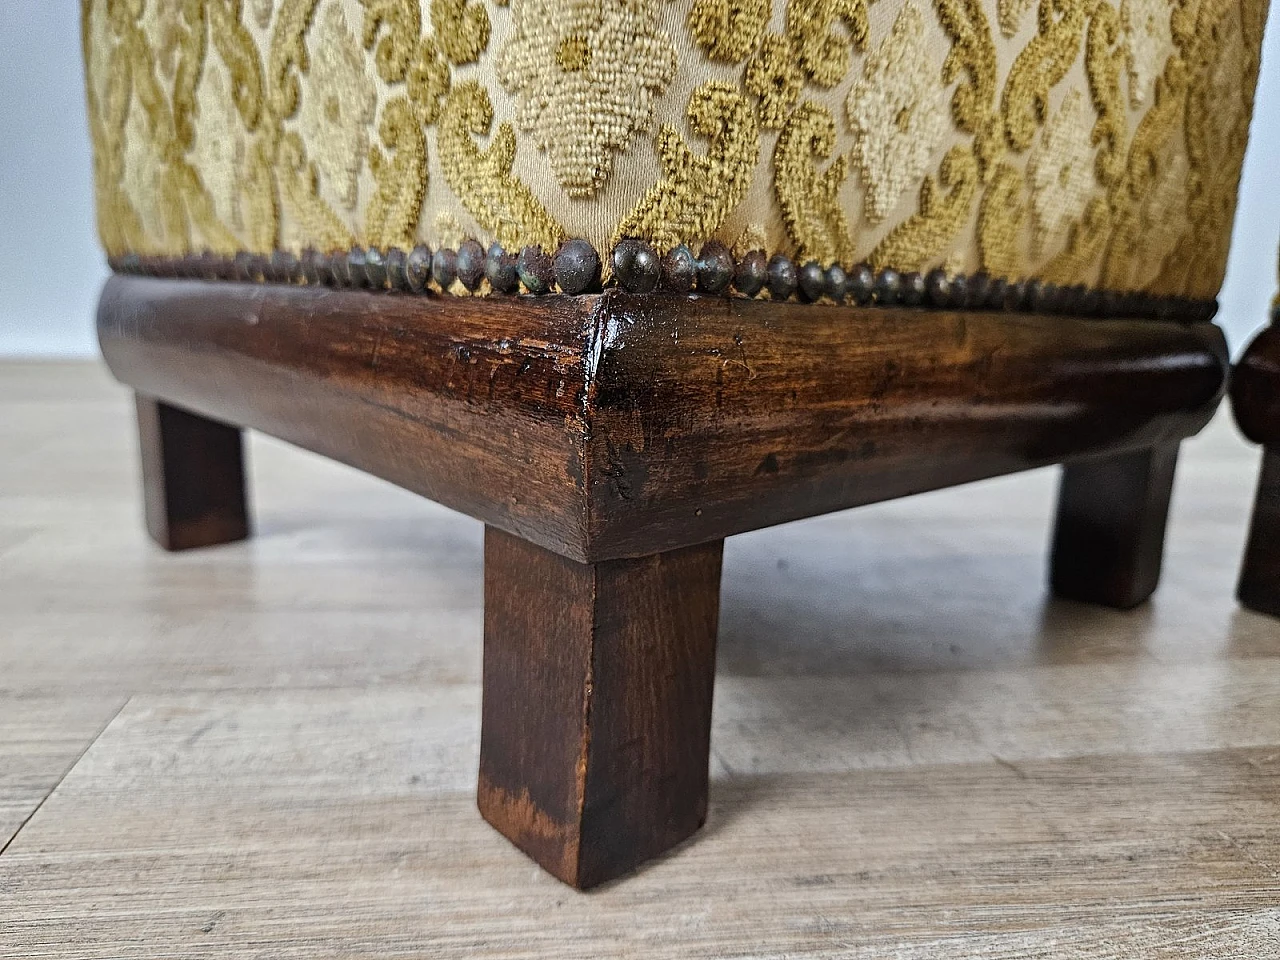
[(65, 773)]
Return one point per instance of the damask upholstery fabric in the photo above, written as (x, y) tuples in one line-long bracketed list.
[(1092, 142)]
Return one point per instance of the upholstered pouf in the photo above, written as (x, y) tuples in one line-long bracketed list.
[(621, 278)]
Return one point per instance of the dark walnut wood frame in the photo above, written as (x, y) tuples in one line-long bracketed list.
[(610, 443), (1255, 398)]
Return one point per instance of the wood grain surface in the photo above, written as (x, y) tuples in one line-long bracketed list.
[(917, 752), (597, 706), (613, 426)]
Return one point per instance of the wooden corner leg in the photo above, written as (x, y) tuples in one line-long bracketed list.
[(1260, 579), (192, 477), (1109, 537), (597, 703)]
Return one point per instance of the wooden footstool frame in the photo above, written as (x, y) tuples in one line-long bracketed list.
[(1255, 398), (611, 441)]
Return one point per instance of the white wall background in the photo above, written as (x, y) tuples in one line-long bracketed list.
[(50, 263), (51, 267)]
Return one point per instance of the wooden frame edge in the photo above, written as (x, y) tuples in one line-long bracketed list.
[(617, 425)]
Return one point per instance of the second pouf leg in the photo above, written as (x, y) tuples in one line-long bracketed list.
[(1260, 579)]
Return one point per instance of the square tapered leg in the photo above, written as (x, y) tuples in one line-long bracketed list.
[(193, 477), (597, 703), (1109, 538)]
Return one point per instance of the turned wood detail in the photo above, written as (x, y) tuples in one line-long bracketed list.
[(1255, 400)]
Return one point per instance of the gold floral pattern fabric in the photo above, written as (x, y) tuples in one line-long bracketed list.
[(895, 114), (1093, 142), (585, 73)]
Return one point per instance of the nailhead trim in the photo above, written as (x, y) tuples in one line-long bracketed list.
[(471, 260), (679, 270), (501, 270), (715, 268), (575, 267)]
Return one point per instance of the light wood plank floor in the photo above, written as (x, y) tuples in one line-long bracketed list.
[(267, 750)]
